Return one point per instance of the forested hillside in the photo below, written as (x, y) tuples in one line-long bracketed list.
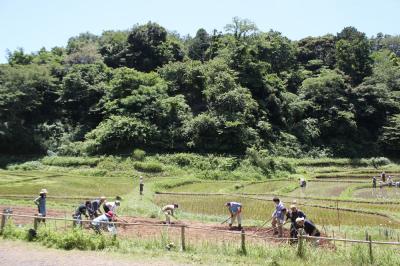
[(217, 92)]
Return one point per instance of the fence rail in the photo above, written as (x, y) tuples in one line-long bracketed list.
[(4, 217)]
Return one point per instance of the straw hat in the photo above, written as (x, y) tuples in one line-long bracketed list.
[(43, 191)]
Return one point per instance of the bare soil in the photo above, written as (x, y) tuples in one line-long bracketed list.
[(154, 228)]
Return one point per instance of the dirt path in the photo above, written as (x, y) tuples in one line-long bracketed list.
[(21, 254)]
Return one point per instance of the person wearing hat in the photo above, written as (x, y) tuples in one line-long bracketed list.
[(111, 206), (83, 209), (292, 216), (41, 204), (95, 207), (102, 221), (168, 210), (235, 209), (308, 226), (278, 217)]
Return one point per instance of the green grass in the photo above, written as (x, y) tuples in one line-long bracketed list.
[(62, 184), (110, 176)]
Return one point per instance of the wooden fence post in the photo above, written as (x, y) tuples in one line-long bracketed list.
[(243, 235), (3, 221), (370, 250), (183, 244), (35, 223), (300, 251)]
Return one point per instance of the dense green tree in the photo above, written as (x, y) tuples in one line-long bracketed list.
[(149, 48), (19, 57), (82, 89), (353, 54), (390, 138), (241, 28), (112, 46), (189, 79), (27, 98), (199, 45), (120, 134), (225, 92), (329, 103), (311, 49)]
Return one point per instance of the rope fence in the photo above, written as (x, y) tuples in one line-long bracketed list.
[(184, 227)]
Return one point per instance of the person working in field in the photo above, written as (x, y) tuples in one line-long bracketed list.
[(103, 221), (308, 227), (235, 210), (374, 182), (278, 217), (168, 210), (82, 209), (383, 177), (41, 204), (292, 216), (95, 207), (302, 182), (111, 206)]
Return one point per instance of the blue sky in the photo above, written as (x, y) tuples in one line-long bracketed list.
[(32, 24)]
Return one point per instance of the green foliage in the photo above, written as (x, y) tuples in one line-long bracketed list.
[(148, 167), (268, 165), (27, 166), (119, 133), (353, 54), (70, 161), (149, 48), (391, 135), (138, 154), (216, 92)]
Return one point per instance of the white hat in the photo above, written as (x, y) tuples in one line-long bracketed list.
[(43, 191), (299, 219)]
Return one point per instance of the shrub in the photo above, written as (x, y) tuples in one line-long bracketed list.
[(27, 166), (150, 167), (380, 161), (138, 154), (71, 161)]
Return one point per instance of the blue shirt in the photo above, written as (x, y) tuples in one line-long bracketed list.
[(234, 207), (278, 211)]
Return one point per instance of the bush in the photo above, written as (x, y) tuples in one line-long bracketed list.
[(71, 161), (27, 166), (269, 165), (380, 161), (138, 154), (148, 167)]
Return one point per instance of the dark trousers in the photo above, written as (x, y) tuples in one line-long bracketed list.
[(141, 186)]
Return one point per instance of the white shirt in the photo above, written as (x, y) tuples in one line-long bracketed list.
[(112, 206)]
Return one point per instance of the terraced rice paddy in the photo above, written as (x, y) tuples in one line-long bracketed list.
[(61, 184), (261, 210)]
